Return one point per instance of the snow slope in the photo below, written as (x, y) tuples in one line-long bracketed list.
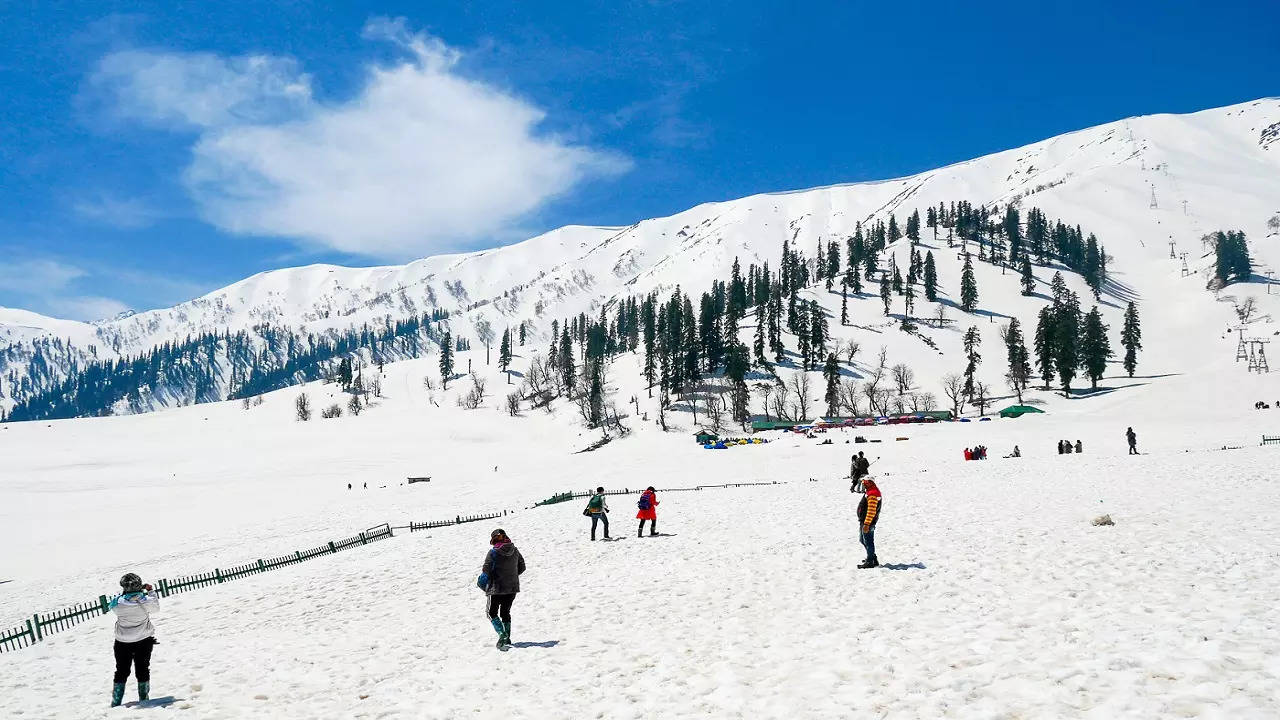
[(999, 598), (1211, 170)]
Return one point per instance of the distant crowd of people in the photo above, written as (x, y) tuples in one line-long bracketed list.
[(1066, 448), (976, 453)]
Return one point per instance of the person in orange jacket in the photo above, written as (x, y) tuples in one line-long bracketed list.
[(648, 505), (868, 515)]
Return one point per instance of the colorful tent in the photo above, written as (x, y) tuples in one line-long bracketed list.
[(1014, 411)]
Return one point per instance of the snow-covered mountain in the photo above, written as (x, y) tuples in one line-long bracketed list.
[(1139, 184)]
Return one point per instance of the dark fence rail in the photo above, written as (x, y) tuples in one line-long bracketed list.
[(42, 625)]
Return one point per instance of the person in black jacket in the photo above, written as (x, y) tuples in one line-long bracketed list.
[(503, 565)]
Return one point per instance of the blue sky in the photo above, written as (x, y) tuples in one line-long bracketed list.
[(153, 151)]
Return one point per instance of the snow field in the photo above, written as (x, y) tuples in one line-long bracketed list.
[(1000, 599)]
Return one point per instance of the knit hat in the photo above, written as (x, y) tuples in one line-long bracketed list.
[(131, 583)]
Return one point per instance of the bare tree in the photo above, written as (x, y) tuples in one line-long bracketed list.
[(981, 396), (332, 411), (354, 406), (302, 407), (904, 377), (715, 413), (245, 404), (513, 404), (484, 331), (883, 397), (953, 388), (940, 315), (765, 390), (428, 383), (1246, 309), (802, 386), (474, 396), (1017, 382), (928, 402), (850, 394), (851, 348), (782, 402)]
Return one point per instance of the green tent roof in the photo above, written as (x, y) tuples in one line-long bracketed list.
[(1014, 411)]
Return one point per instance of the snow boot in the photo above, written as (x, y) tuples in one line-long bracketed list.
[(869, 563), (117, 694), (506, 633), (144, 691), (497, 626)]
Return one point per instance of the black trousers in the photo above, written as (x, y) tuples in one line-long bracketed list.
[(599, 518), (653, 527), (137, 654), (500, 607)]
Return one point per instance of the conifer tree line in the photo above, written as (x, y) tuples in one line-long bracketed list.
[(203, 367), (1232, 263), (1068, 340), (683, 338)]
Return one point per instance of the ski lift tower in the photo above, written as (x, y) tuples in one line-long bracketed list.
[(1153, 198), (1258, 356), (1185, 270), (1242, 350), (1172, 252)]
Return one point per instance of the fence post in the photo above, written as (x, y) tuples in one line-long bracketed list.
[(36, 617), (218, 574), (362, 540), (261, 566), (332, 549), (31, 633), (102, 604), (298, 554), (164, 587)]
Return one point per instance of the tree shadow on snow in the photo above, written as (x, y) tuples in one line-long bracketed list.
[(543, 644), (904, 566)]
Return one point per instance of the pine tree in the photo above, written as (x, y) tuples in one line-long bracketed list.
[(1019, 367), (931, 220), (804, 336), (817, 331), (972, 343), (446, 359), (762, 324), (930, 277), (968, 286), (1044, 344), (522, 333), (831, 371), (504, 353), (885, 292), (1028, 276), (565, 362), (1095, 348), (913, 227), (844, 305), (897, 277), (1093, 267), (833, 262), (894, 232), (1131, 338), (1066, 336), (1013, 231)]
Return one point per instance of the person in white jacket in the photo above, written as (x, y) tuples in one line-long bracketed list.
[(135, 635)]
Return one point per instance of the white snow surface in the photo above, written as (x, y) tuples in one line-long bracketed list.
[(999, 599)]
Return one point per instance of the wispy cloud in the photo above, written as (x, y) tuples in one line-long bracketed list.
[(420, 159), (125, 213), (53, 286)]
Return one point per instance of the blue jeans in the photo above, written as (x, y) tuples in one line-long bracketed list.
[(598, 518), (868, 540)]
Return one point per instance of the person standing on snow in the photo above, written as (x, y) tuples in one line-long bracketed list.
[(868, 515), (1132, 437), (1079, 447), (859, 466), (503, 566), (135, 635), (648, 505), (598, 510)]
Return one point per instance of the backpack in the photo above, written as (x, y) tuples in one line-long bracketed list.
[(644, 502)]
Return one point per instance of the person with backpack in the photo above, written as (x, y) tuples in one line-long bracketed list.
[(648, 505), (135, 635), (598, 511), (500, 580), (868, 515), (1132, 437)]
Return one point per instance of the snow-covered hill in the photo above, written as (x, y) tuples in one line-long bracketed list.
[(1144, 185)]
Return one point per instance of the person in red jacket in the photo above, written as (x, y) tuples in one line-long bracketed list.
[(868, 514), (648, 505)]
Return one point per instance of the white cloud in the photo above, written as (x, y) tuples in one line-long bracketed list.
[(119, 212), (420, 159), (47, 286)]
